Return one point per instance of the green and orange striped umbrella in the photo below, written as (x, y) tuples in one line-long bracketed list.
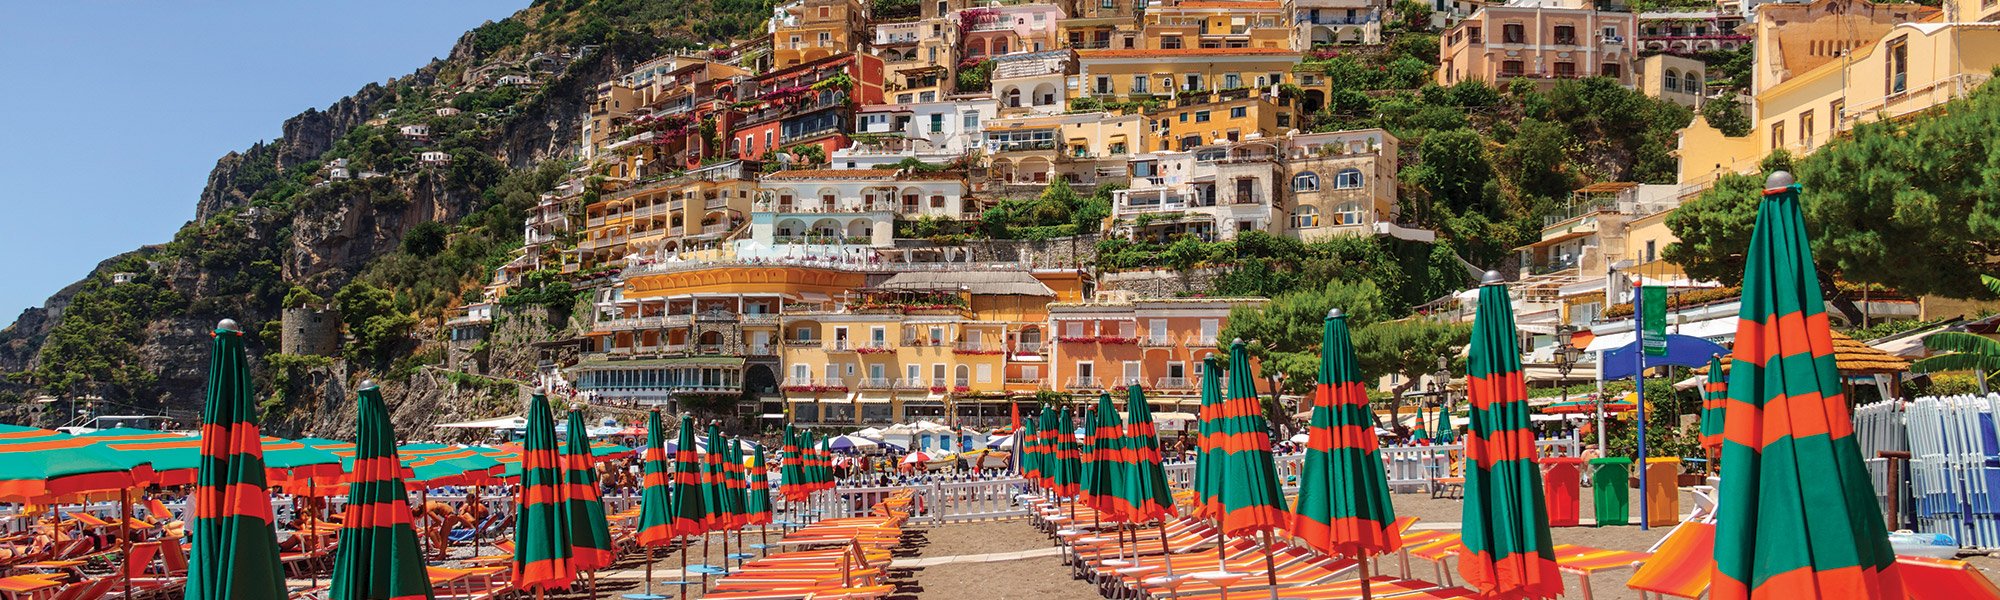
[(1045, 466), (690, 512), (235, 546), (825, 463), (1507, 551), (757, 504), (1343, 506), (736, 489), (791, 468), (715, 481), (1103, 473), (1069, 458), (1789, 440), (63, 469), (1144, 495), (1247, 478), (1208, 461), (655, 492), (1714, 397), (378, 557), (590, 535), (1024, 445), (543, 558)]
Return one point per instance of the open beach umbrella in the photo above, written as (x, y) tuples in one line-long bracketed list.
[(1208, 461), (1507, 551), (543, 557), (378, 557), (1069, 460), (235, 552), (757, 504), (1714, 397), (656, 483), (590, 535), (1344, 506), (1105, 481), (1797, 516), (1248, 477), (1144, 494), (62, 469)]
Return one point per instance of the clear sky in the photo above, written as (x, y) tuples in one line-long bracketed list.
[(112, 113)]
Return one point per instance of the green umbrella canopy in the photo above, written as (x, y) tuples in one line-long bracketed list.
[(757, 505), (1507, 550), (62, 469), (738, 488), (1343, 505), (1714, 400), (1024, 449), (590, 535), (791, 471), (690, 513), (377, 558), (543, 557), (1145, 495), (1250, 498), (1208, 459), (1443, 433), (714, 486), (1104, 474), (1789, 442), (655, 492), (1069, 458), (235, 547)]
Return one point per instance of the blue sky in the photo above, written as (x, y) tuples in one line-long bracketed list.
[(113, 113)]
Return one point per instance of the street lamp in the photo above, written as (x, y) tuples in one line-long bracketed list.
[(1442, 379), (1566, 356)]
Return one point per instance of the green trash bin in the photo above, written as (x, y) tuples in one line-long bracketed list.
[(1610, 490)]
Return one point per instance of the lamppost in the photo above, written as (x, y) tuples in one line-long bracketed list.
[(1442, 379), (1566, 356)]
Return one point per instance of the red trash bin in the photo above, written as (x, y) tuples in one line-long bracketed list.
[(1562, 487)]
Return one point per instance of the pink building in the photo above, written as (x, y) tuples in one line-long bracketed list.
[(1002, 30), (1539, 39)]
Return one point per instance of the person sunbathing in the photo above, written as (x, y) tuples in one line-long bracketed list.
[(437, 518)]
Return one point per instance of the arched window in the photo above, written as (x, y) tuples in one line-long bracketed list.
[(1305, 182), (1348, 179), (1672, 80), (1305, 217), (1348, 213), (1013, 97), (1691, 84)]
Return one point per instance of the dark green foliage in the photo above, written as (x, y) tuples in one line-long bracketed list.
[(1455, 169), (431, 283), (976, 78), (1730, 68), (95, 344), (1059, 211), (379, 328), (498, 35), (545, 288), (1725, 114), (425, 239), (1536, 162)]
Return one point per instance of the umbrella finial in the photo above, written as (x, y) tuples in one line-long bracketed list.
[(1236, 342), (229, 325), (1492, 278), (367, 384), (1778, 181), (1335, 313)]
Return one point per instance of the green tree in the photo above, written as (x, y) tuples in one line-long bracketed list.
[(425, 239), (1409, 349), (1285, 333), (1536, 161), (1725, 114), (299, 297), (1713, 230), (1456, 170), (378, 327), (1964, 351)]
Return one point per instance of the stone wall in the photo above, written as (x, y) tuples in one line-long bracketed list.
[(1065, 252), (1161, 283)]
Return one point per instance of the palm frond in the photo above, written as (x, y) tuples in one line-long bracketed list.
[(1957, 341), (1945, 363), (1992, 283)]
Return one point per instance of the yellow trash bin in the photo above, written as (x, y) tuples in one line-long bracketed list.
[(1663, 494)]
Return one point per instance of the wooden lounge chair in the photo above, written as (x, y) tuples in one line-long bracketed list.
[(1681, 566), (1585, 562), (1944, 579)]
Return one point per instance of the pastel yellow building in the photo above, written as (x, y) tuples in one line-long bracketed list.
[(1179, 24), (1131, 75), (667, 217), (811, 30), (1245, 116)]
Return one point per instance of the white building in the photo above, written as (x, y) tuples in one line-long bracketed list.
[(838, 212), (933, 132), (1033, 83)]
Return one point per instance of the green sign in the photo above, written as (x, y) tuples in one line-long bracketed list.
[(1653, 319)]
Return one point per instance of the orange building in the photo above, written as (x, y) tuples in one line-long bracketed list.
[(1157, 344)]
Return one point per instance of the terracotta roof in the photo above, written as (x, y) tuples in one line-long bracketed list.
[(1018, 283), (871, 174), (1187, 52), (1224, 4), (1852, 358)]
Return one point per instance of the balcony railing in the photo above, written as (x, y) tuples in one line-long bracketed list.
[(1028, 347), (1084, 383), (708, 348), (1034, 381), (971, 346), (1171, 383), (801, 343), (1156, 340), (840, 346), (878, 383)]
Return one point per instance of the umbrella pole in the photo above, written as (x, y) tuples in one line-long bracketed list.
[(1167, 554), (479, 525), (312, 532), (1270, 565), (593, 585), (705, 537), (649, 570), (1366, 594), (125, 538), (684, 567)]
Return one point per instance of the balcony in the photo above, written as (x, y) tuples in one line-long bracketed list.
[(801, 343), (1307, 18), (840, 346), (1028, 347), (763, 350), (878, 383), (1172, 383), (877, 345), (1084, 383), (760, 320), (1036, 382), (1160, 340), (708, 348), (972, 347)]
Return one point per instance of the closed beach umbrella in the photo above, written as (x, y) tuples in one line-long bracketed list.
[(1025, 445), (1714, 396), (791, 474), (655, 498), (1208, 460), (378, 558), (824, 462), (1507, 551), (1144, 493), (1797, 516), (736, 488), (542, 553), (1248, 478), (1107, 439), (235, 553), (715, 485), (1344, 506), (590, 535), (689, 508), (1444, 433), (1069, 460), (757, 506)]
